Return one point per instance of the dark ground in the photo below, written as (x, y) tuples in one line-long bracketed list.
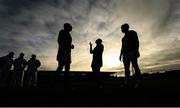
[(155, 90)]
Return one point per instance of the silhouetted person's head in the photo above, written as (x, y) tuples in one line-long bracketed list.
[(21, 55), (68, 27), (11, 55), (98, 41), (125, 28), (33, 56)]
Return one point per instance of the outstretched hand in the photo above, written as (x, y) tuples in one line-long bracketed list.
[(90, 43), (72, 46)]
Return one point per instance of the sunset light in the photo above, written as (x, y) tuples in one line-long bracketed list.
[(35, 27), (90, 53), (111, 61)]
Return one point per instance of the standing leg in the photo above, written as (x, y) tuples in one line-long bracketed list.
[(96, 76), (59, 70), (27, 78), (19, 76), (67, 67), (34, 79), (60, 67), (99, 82), (126, 63), (93, 73), (22, 78), (136, 67), (137, 72), (14, 78), (66, 74)]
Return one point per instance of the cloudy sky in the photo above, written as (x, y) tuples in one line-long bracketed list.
[(32, 26)]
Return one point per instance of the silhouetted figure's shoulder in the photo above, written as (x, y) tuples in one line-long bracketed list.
[(101, 47), (63, 36), (63, 32), (132, 33), (132, 36)]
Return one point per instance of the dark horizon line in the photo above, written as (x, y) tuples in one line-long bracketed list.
[(105, 71), (73, 71)]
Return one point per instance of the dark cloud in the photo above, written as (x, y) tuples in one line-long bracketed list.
[(101, 26), (171, 14), (14, 7), (171, 53), (167, 22)]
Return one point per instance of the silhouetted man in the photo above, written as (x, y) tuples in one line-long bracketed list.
[(5, 68), (18, 72), (64, 52), (97, 61), (31, 73), (130, 51)]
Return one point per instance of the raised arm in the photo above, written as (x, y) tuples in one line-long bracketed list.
[(91, 51)]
